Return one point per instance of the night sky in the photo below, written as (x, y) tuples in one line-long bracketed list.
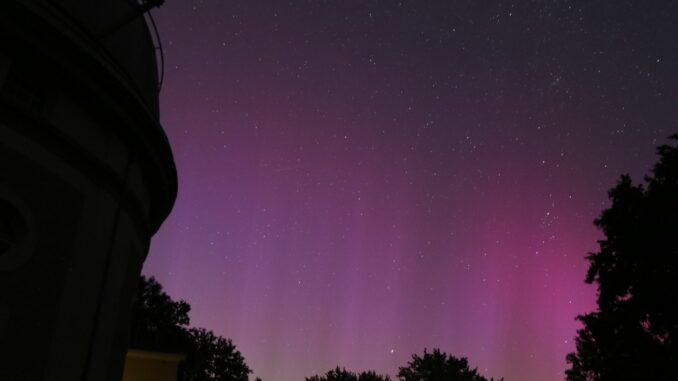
[(360, 180)]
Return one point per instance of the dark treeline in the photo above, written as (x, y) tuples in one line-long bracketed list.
[(162, 324), (431, 366)]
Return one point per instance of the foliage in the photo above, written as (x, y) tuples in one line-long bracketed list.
[(632, 335), (438, 366), (341, 374), (213, 358), (158, 322), (161, 324)]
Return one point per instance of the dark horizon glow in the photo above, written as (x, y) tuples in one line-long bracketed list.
[(359, 181)]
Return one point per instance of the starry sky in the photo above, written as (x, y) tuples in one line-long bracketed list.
[(360, 180)]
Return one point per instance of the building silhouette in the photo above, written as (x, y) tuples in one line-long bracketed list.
[(86, 178)]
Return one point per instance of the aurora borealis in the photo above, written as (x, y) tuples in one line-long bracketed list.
[(359, 180)]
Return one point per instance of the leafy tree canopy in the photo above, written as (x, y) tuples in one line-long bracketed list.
[(158, 322), (161, 324), (438, 366), (214, 358), (632, 335)]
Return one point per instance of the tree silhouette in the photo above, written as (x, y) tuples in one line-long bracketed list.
[(161, 324), (438, 366), (213, 358), (632, 335), (341, 374), (158, 322)]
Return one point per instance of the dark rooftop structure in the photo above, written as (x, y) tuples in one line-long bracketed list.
[(86, 178)]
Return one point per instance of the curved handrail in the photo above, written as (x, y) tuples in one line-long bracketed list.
[(158, 48)]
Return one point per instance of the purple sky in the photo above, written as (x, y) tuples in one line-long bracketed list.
[(359, 180)]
